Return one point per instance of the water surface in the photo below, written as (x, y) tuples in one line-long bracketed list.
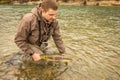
[(90, 33)]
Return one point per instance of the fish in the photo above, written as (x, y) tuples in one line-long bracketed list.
[(56, 58)]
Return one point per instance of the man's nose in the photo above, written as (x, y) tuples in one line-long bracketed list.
[(53, 17)]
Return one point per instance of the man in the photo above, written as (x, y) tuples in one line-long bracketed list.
[(36, 28)]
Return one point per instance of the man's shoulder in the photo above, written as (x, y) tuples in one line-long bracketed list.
[(55, 21), (28, 16)]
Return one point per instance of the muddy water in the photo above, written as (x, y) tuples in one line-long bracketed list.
[(91, 35)]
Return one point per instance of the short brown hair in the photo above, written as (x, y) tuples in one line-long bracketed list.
[(47, 4)]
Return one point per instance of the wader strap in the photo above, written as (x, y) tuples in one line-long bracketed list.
[(39, 27), (39, 37)]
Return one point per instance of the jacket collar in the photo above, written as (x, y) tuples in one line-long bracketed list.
[(36, 12)]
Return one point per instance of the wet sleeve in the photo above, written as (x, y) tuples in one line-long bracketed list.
[(57, 39), (21, 38)]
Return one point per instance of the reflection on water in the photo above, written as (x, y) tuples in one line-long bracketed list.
[(17, 69), (44, 72), (90, 33)]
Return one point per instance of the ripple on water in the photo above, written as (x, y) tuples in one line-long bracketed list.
[(90, 33)]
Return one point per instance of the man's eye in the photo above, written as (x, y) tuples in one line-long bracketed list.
[(51, 14)]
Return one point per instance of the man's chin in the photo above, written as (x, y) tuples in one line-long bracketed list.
[(51, 21)]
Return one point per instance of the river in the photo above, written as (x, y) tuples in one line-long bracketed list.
[(90, 33)]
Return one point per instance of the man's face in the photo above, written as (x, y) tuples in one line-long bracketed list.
[(49, 15)]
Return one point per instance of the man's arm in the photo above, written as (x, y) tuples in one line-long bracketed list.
[(22, 36), (57, 39)]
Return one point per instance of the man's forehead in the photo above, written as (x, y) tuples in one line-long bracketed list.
[(51, 10)]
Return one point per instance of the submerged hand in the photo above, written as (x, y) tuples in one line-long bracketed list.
[(63, 54), (36, 57)]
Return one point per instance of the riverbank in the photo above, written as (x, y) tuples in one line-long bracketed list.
[(104, 3), (94, 3), (91, 3)]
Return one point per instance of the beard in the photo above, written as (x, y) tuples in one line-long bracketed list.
[(51, 20)]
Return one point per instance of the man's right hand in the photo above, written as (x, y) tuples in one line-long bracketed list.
[(36, 57)]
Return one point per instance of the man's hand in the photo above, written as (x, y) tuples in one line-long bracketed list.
[(63, 54), (36, 57)]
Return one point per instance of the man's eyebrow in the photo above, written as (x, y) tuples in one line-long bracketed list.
[(52, 14)]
